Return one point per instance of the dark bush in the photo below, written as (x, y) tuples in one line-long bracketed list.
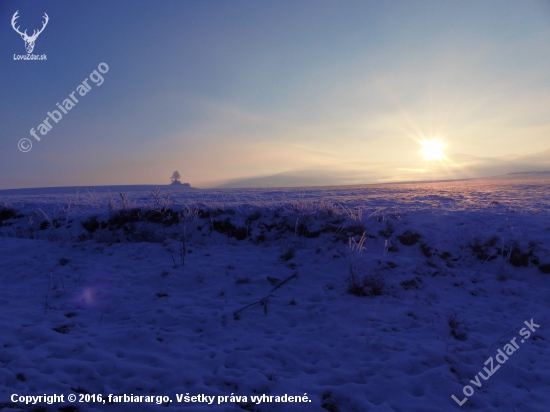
[(481, 251), (254, 216), (427, 250), (457, 327), (303, 230), (91, 225), (167, 217), (409, 238), (445, 255), (409, 284), (356, 288), (120, 218), (374, 283), (388, 230), (225, 226), (354, 230), (287, 255), (366, 285), (203, 214), (46, 224), (519, 258), (7, 212)]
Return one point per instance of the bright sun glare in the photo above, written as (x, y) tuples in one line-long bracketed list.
[(432, 149)]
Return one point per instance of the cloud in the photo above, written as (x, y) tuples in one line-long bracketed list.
[(458, 167)]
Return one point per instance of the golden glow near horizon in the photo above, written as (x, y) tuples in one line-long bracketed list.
[(432, 149)]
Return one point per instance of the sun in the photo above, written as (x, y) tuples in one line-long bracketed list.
[(432, 149)]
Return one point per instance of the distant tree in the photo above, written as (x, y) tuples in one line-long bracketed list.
[(175, 177)]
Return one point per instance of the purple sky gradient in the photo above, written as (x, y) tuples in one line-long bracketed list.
[(223, 91)]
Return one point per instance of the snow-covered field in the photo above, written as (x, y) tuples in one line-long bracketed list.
[(371, 298)]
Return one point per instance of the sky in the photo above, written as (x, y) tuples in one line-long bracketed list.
[(233, 92)]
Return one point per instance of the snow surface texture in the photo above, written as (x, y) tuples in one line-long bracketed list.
[(251, 292)]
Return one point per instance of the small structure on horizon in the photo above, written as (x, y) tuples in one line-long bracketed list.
[(176, 179)]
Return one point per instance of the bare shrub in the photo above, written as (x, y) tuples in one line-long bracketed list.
[(409, 284), (374, 283), (458, 329), (361, 283), (7, 212), (364, 284), (409, 238), (288, 254), (189, 213), (328, 403)]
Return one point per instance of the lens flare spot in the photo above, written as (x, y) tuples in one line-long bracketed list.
[(88, 295)]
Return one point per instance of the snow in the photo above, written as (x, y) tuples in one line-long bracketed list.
[(114, 311)]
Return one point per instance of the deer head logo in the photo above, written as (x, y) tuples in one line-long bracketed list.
[(29, 40)]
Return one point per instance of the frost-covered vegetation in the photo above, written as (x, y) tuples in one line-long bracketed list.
[(351, 295)]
